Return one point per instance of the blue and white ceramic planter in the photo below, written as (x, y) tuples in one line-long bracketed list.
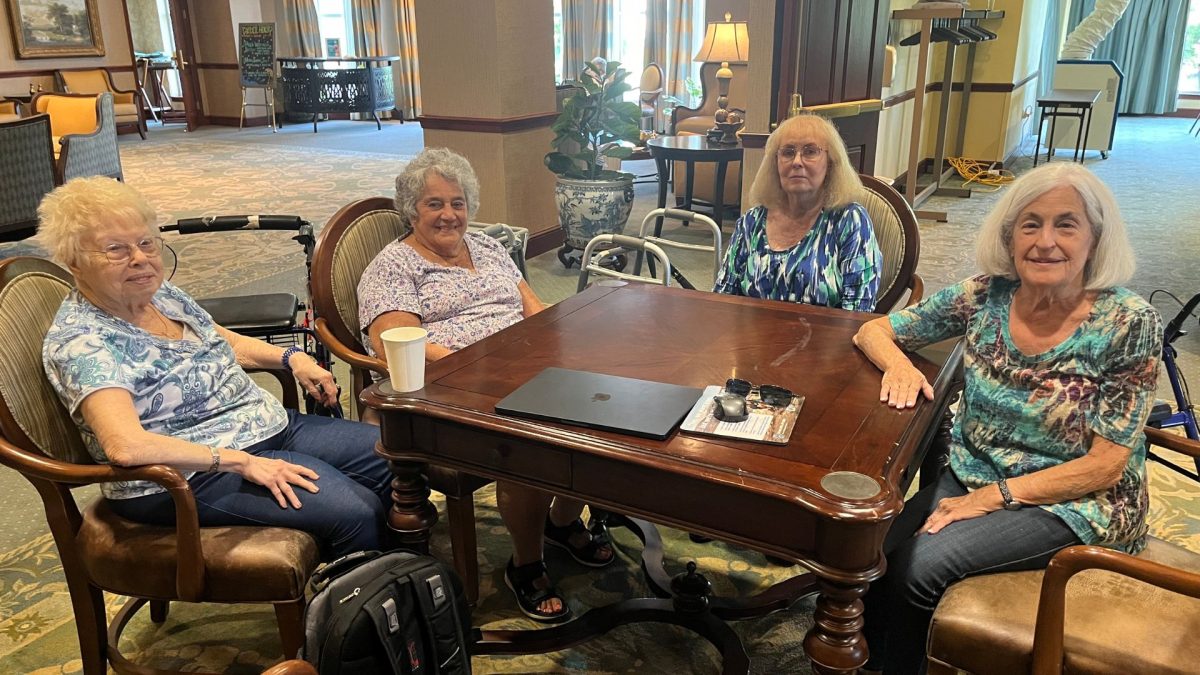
[(587, 208)]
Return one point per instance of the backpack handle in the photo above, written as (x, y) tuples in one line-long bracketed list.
[(324, 573)]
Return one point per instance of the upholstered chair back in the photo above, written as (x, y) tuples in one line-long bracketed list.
[(31, 290), (899, 239), (74, 114), (85, 81), (26, 174)]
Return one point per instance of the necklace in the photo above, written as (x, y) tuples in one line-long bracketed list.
[(460, 259), (168, 327)]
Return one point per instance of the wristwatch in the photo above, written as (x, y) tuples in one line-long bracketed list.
[(1010, 504)]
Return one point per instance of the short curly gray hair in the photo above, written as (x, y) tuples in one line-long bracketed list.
[(83, 205), (1111, 260), (450, 165)]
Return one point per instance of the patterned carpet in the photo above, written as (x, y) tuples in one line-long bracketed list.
[(219, 172)]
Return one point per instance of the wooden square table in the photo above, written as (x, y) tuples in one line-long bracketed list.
[(826, 499)]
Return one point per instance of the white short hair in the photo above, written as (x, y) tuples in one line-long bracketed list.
[(85, 204), (450, 165), (1111, 260)]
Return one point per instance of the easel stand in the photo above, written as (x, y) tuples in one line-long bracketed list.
[(269, 93), (914, 196)]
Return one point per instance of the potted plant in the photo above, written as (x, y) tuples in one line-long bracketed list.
[(595, 123)]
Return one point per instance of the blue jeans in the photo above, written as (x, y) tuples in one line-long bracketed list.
[(346, 515), (899, 606)]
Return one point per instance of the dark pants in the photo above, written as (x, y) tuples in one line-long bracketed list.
[(899, 606), (346, 515)]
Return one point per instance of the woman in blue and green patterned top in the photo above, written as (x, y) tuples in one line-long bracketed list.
[(1047, 448), (806, 240)]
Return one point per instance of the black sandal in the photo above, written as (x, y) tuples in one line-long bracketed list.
[(589, 553), (520, 580)]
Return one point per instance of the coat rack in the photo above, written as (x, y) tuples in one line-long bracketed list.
[(960, 29)]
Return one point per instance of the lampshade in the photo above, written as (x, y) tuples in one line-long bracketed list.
[(725, 41)]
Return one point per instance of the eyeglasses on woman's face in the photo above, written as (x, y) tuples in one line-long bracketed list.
[(809, 152), (151, 247)]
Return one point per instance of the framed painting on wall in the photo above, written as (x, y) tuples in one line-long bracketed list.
[(55, 28)]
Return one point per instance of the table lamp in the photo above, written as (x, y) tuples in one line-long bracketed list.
[(725, 42)]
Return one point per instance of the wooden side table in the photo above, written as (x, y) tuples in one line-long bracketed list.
[(691, 149)]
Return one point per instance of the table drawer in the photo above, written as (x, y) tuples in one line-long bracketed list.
[(512, 456)]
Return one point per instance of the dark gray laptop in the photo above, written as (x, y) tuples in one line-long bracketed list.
[(606, 402)]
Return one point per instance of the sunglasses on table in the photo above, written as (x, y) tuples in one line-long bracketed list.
[(770, 394)]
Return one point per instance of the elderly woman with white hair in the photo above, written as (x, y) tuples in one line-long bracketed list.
[(463, 287), (149, 378), (806, 239), (1047, 448)]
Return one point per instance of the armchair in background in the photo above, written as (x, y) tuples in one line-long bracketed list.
[(27, 173), (9, 110), (84, 132), (126, 108), (650, 91)]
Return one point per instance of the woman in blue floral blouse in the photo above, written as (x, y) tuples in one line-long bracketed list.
[(1047, 448), (806, 240), (149, 378)]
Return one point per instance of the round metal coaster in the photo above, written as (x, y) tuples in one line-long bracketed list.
[(611, 283), (850, 485)]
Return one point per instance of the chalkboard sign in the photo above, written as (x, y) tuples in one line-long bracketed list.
[(256, 53)]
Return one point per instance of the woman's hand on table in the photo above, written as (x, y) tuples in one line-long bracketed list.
[(902, 383), (279, 476), (314, 379)]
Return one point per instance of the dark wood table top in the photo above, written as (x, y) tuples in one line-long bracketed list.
[(1069, 97), (738, 490), (695, 147)]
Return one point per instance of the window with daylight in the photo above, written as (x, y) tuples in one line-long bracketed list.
[(333, 16)]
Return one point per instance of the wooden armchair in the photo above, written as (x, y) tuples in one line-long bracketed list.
[(899, 239), (348, 243), (9, 110), (126, 108), (84, 132), (27, 173), (650, 90), (100, 551), (1121, 614)]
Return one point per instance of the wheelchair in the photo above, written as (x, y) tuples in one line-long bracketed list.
[(278, 318)]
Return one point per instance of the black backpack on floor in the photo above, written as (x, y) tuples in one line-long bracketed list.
[(382, 613)]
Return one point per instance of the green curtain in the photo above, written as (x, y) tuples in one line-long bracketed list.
[(1147, 44)]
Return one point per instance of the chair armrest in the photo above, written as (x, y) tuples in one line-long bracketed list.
[(917, 287), (189, 579), (1180, 444), (1048, 631), (286, 381), (355, 359)]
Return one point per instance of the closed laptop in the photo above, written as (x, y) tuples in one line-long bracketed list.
[(606, 402)]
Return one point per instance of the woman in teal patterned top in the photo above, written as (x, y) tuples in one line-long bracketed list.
[(806, 240), (1047, 449)]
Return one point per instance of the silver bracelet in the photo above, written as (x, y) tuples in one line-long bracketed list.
[(216, 459)]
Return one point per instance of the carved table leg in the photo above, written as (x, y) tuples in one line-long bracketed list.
[(835, 643), (412, 515)]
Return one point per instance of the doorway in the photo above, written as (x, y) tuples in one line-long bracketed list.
[(164, 56)]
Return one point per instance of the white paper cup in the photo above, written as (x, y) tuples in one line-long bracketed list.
[(405, 351)]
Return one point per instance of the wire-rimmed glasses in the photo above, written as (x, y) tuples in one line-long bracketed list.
[(152, 247)]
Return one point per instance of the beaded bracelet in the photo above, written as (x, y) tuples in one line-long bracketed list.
[(287, 355), (216, 459)]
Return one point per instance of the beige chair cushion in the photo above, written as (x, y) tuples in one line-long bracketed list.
[(9, 117), (355, 250), (889, 232), (242, 564), (125, 112), (1114, 624)]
